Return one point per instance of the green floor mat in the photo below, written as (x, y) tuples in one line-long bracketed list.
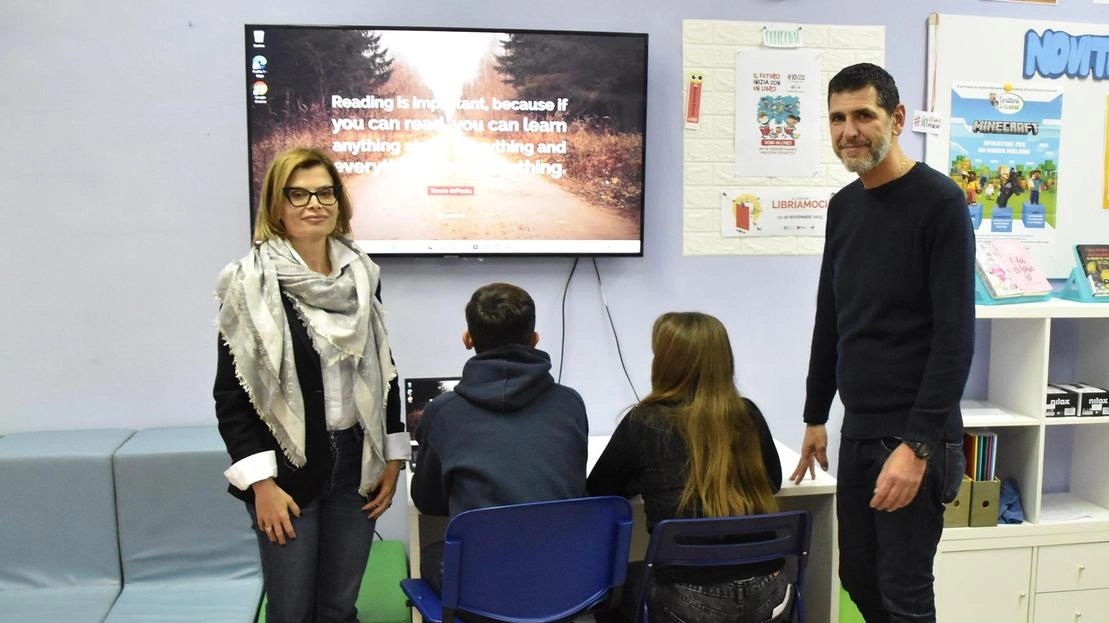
[(380, 600)]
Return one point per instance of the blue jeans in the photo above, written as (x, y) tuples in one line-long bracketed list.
[(315, 577), (752, 600), (885, 558)]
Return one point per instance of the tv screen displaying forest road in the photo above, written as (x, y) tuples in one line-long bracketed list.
[(461, 141)]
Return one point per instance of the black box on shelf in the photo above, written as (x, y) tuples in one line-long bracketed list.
[(1092, 401), (1060, 402)]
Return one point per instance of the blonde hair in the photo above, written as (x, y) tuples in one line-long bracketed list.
[(267, 223), (693, 374)]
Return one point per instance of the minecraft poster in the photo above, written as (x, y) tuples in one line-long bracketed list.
[(778, 124), (1005, 156)]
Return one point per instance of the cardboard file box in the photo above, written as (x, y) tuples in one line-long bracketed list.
[(984, 502), (956, 513)]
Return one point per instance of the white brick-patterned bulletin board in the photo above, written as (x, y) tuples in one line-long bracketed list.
[(709, 49)]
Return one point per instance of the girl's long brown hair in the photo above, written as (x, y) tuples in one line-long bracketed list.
[(693, 375)]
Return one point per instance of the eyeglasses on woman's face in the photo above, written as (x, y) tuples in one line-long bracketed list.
[(299, 197)]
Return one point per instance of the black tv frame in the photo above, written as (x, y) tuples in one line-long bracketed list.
[(469, 247)]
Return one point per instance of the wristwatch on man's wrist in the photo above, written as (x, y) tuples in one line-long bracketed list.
[(919, 448)]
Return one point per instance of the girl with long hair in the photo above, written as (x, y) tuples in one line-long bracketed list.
[(694, 447)]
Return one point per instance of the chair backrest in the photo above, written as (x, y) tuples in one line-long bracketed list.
[(535, 562), (705, 542)]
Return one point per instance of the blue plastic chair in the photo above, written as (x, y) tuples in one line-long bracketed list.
[(529, 563), (698, 543)]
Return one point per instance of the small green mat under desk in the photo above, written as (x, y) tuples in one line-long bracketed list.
[(380, 600), (848, 612)]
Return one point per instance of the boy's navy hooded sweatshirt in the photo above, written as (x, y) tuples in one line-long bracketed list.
[(507, 434)]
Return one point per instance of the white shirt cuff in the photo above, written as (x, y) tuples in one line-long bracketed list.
[(398, 446), (252, 469)]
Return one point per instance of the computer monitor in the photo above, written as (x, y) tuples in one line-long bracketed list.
[(418, 392), (461, 141)]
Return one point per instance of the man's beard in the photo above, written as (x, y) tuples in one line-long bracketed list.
[(876, 154)]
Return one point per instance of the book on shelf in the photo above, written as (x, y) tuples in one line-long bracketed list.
[(1094, 259), (980, 448), (1007, 270)]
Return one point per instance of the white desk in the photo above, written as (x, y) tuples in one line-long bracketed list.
[(817, 496)]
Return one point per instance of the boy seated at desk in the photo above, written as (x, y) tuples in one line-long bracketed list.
[(507, 434)]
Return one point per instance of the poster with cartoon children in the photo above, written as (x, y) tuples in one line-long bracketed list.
[(777, 119), (777, 113)]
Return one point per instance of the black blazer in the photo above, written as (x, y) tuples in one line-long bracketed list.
[(244, 433)]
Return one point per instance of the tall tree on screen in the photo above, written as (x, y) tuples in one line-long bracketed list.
[(603, 75), (308, 66)]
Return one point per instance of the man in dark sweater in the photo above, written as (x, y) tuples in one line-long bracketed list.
[(507, 434), (894, 334)]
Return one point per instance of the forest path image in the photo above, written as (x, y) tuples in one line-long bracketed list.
[(454, 187)]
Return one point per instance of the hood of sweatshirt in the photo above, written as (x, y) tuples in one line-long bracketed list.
[(506, 378)]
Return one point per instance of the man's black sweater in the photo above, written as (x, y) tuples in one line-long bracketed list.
[(894, 329)]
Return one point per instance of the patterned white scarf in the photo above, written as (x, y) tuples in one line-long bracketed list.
[(345, 321)]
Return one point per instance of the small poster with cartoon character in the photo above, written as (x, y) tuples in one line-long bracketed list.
[(778, 129), (1005, 156), (748, 212)]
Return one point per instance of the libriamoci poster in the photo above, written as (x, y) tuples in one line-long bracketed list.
[(774, 211), (1005, 157), (778, 122)]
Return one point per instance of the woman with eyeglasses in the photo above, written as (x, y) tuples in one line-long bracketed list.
[(306, 393), (695, 448)]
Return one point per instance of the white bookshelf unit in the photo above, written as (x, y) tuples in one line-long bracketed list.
[(1053, 568)]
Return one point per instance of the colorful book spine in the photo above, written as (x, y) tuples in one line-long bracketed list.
[(980, 448)]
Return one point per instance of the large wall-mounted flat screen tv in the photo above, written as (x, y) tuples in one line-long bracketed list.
[(462, 142)]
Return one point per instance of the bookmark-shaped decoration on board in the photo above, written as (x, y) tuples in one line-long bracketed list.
[(693, 101)]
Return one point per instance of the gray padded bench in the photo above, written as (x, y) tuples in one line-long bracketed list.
[(59, 555), (187, 549)]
